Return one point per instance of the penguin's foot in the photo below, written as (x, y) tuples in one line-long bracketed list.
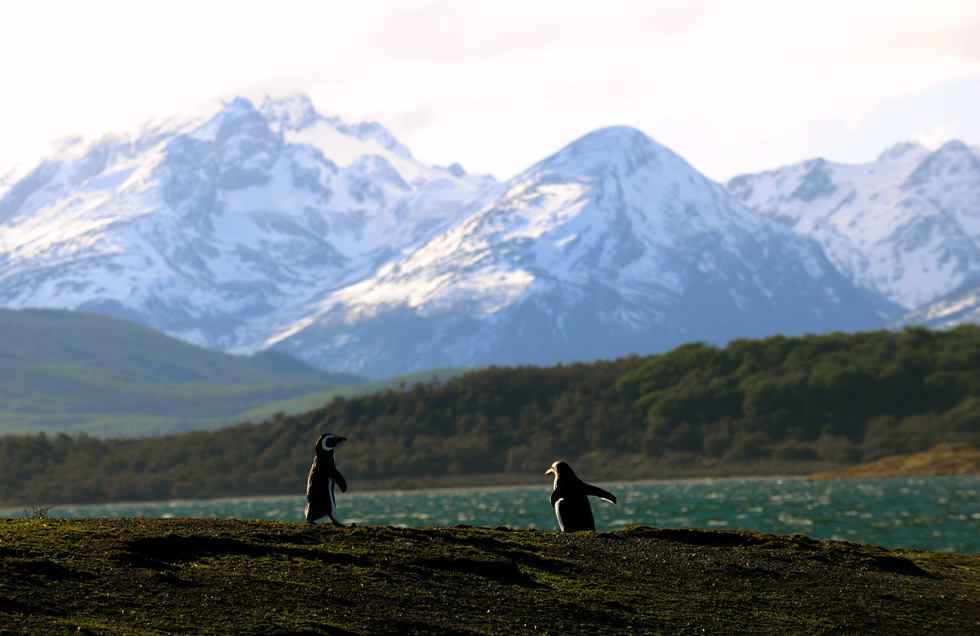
[(336, 523)]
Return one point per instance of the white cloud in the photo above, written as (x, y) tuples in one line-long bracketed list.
[(732, 85)]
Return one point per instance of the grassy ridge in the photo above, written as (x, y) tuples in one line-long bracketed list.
[(70, 389), (51, 338), (198, 576), (72, 372)]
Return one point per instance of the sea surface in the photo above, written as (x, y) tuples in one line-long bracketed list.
[(939, 514)]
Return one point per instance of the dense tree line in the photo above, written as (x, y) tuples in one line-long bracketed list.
[(772, 404), (838, 397)]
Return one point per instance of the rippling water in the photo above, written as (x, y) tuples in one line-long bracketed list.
[(937, 514)]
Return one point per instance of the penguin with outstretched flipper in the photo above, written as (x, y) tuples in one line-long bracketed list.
[(571, 499), (320, 499)]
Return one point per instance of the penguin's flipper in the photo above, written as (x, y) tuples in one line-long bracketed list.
[(595, 491), (555, 497), (339, 480)]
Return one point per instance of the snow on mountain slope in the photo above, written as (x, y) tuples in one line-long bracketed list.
[(906, 226), (612, 246), (959, 307), (215, 231)]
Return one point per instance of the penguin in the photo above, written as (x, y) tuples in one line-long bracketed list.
[(320, 499), (571, 499)]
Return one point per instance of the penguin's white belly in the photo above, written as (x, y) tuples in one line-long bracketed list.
[(333, 498), (558, 514)]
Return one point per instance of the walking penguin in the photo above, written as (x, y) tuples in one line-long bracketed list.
[(571, 499), (320, 499)]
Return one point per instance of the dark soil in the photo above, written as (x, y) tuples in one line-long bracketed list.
[(206, 576)]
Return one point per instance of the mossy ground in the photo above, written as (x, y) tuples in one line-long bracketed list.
[(206, 576)]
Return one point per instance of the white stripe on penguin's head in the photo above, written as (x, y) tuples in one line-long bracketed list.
[(330, 441)]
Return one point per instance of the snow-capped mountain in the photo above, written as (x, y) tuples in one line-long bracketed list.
[(612, 246), (217, 231), (906, 226)]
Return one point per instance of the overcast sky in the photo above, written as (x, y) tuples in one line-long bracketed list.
[(733, 86)]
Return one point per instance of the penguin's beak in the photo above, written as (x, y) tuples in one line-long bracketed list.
[(550, 471), (341, 439)]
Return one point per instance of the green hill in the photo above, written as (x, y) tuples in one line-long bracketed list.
[(47, 338), (72, 371)]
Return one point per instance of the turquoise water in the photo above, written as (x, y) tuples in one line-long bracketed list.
[(936, 514)]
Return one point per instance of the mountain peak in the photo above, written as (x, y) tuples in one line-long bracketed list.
[(613, 139), (622, 148), (951, 163), (236, 109), (953, 146), (233, 116), (904, 149), (611, 134), (295, 112)]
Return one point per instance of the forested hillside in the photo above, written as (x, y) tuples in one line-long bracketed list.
[(754, 407), (839, 397)]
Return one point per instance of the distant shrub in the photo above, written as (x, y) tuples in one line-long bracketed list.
[(35, 511)]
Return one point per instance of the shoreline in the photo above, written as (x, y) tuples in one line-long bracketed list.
[(15, 512), (399, 491)]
